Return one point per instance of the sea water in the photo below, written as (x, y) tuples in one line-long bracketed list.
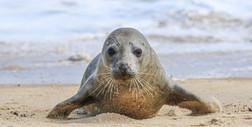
[(51, 42)]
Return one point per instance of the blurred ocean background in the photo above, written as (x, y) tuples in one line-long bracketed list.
[(52, 41)]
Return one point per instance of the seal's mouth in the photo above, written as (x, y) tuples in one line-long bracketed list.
[(123, 77)]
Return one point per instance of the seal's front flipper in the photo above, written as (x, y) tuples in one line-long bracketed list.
[(63, 109), (202, 107), (82, 98), (185, 99), (179, 94)]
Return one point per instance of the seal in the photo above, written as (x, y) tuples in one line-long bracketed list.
[(127, 78)]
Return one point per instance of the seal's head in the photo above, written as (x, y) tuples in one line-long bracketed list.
[(123, 52)]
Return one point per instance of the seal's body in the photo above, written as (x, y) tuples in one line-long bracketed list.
[(127, 78), (133, 103)]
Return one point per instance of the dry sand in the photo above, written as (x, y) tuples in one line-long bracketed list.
[(28, 106)]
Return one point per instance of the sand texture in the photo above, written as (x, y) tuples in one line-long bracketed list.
[(28, 105)]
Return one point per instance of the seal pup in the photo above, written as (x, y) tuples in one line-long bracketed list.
[(127, 78)]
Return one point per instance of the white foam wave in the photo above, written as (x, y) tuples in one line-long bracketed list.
[(185, 48)]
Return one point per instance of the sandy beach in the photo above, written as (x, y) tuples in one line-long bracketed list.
[(28, 105)]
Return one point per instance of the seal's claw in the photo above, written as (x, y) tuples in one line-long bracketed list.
[(214, 105), (61, 111), (57, 115), (198, 108)]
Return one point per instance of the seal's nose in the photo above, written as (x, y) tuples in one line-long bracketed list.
[(123, 69)]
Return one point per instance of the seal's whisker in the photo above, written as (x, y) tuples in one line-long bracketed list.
[(144, 73), (133, 88), (149, 89), (130, 89), (143, 86), (136, 80), (112, 88), (117, 86), (107, 67), (136, 89), (104, 87), (109, 88), (146, 76), (103, 90), (101, 84), (149, 73), (103, 74), (144, 89), (130, 83), (147, 84), (108, 85)]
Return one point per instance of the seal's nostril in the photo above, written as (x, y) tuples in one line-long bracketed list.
[(123, 73), (123, 69)]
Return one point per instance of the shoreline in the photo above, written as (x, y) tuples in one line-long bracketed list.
[(28, 105), (176, 80)]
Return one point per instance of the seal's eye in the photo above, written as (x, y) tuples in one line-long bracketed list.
[(138, 52), (111, 51)]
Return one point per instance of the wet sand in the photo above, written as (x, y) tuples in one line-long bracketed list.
[(28, 105)]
